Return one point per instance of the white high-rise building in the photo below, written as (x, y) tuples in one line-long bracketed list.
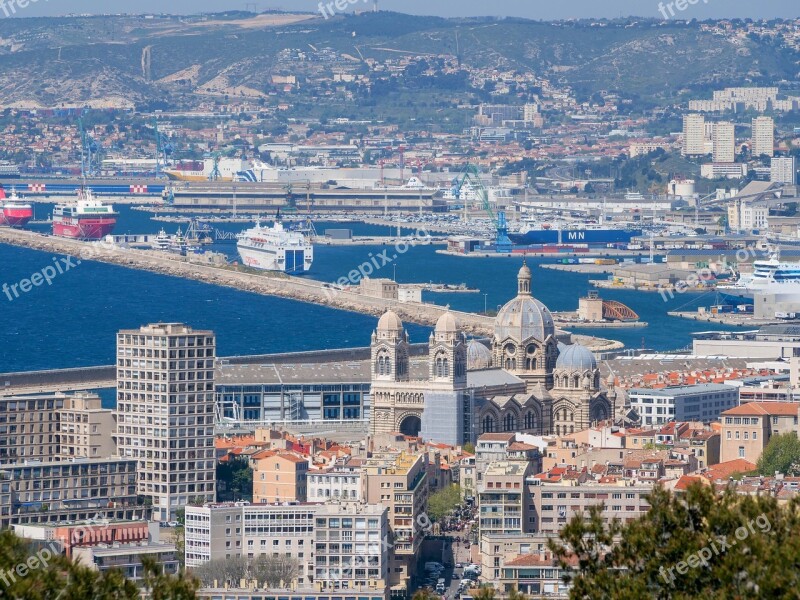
[(784, 170), (763, 141), (165, 413), (694, 135), (724, 142)]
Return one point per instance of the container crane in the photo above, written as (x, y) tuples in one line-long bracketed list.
[(470, 175), (89, 149)]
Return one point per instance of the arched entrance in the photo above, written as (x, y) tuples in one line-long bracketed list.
[(411, 425)]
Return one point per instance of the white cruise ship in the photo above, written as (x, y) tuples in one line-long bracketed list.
[(770, 275), (275, 249)]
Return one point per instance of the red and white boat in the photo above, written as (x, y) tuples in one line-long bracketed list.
[(14, 212), (86, 219)]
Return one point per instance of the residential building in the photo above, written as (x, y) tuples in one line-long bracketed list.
[(729, 170), (724, 142), (555, 504), (86, 428), (694, 135), (398, 481), (763, 140), (165, 413), (29, 428), (503, 500), (703, 403), (96, 532), (75, 490), (128, 558), (747, 429), (706, 447), (279, 477), (340, 482), (491, 447), (468, 477), (336, 546), (783, 170)]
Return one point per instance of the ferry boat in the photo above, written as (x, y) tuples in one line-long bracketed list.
[(769, 275), (13, 212), (86, 219), (275, 249)]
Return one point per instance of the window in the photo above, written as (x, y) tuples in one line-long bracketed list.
[(741, 451)]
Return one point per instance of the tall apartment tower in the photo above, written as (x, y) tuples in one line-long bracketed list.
[(763, 141), (724, 142), (694, 135), (165, 413), (783, 170)]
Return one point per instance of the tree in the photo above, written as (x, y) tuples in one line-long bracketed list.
[(35, 574), (425, 594), (782, 455), (441, 503), (469, 448), (269, 571), (695, 545)]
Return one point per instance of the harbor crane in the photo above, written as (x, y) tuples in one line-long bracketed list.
[(164, 149), (470, 178), (89, 150)]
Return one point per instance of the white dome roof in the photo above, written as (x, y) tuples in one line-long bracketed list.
[(390, 322), (576, 358), (478, 356), (447, 323), (522, 319)]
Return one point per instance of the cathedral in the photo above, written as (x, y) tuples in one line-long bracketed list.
[(527, 381)]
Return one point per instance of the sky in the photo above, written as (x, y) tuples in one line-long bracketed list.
[(534, 9)]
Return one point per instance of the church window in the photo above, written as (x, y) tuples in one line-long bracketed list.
[(509, 422), (529, 420), (488, 424)]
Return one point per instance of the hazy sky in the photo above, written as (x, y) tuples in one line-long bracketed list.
[(536, 9)]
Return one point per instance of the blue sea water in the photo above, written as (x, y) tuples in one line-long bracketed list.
[(73, 322)]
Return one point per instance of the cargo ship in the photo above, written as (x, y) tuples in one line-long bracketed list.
[(275, 249), (592, 236), (86, 219), (13, 212)]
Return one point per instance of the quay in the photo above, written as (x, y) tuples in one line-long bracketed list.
[(731, 319), (270, 284)]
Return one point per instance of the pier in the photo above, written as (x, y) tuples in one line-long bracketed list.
[(270, 284)]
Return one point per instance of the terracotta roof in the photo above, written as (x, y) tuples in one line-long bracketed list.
[(520, 446), (532, 560), (729, 468), (496, 437), (778, 409), (686, 480)]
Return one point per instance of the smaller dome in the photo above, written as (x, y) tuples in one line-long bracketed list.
[(478, 356), (562, 347), (447, 323), (390, 322), (525, 272), (576, 358)]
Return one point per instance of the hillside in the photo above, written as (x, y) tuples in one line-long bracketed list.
[(125, 60)]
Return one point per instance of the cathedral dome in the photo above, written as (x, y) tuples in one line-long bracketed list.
[(524, 317), (446, 323), (478, 356), (576, 358), (390, 322)]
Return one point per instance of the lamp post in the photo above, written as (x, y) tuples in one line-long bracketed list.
[(486, 304)]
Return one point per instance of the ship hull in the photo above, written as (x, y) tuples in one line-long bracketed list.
[(593, 237), (290, 261), (16, 218), (83, 229), (194, 178)]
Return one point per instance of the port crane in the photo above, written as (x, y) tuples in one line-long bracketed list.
[(471, 176), (164, 149), (89, 150)]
